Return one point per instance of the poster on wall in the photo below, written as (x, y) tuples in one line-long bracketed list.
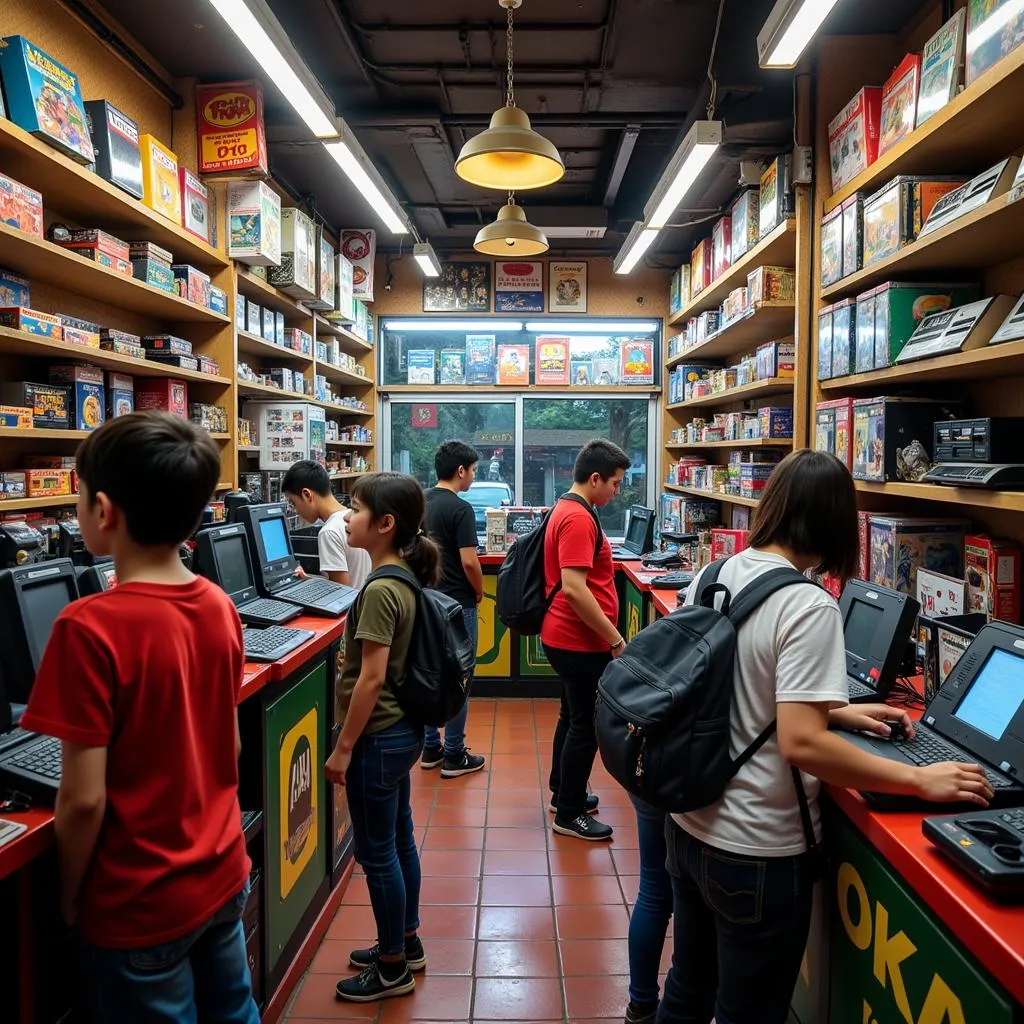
[(299, 806), (636, 361), (461, 288), (424, 417), (553, 361), (514, 365), (567, 287), (518, 287), (359, 247)]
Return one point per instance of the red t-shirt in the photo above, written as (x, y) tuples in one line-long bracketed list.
[(569, 543), (152, 673)]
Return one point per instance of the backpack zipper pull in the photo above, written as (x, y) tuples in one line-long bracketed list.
[(640, 760)]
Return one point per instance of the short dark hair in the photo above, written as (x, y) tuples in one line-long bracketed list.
[(601, 457), (306, 474), (809, 505), (450, 455), (158, 469)]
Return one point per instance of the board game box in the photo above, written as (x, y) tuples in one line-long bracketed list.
[(853, 136), (940, 67), (700, 267), (746, 222), (824, 370), (775, 200), (254, 218), (21, 207), (679, 290), (899, 103), (195, 205), (881, 426), (115, 139), (832, 247), (326, 268), (721, 247), (853, 234), (899, 547), (898, 309), (160, 185), (844, 337), (296, 274), (833, 427), (232, 133), (995, 28)]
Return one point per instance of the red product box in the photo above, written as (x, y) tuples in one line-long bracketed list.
[(992, 569), (21, 207), (727, 542), (232, 134), (853, 136), (864, 530), (899, 103), (700, 267), (833, 584), (721, 247), (192, 284), (165, 394), (106, 243)]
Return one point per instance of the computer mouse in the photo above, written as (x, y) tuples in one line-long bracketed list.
[(896, 730)]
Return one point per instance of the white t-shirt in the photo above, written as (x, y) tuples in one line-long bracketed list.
[(335, 553), (790, 648)]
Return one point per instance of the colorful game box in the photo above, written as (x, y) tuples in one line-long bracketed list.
[(882, 426), (165, 394), (232, 134), (160, 185), (192, 284), (296, 274), (700, 267), (899, 547), (900, 307), (766, 285), (833, 423), (679, 289), (899, 103), (120, 394), (31, 321), (940, 67), (86, 391), (746, 223), (775, 201), (115, 138), (44, 98), (853, 234), (21, 207), (832, 247), (824, 366), (49, 404), (254, 217), (992, 569), (326, 269), (844, 337), (853, 136), (995, 28), (721, 247), (14, 290), (195, 205)]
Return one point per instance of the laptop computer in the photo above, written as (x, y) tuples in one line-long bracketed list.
[(977, 716), (275, 565), (877, 624), (639, 534), (222, 556)]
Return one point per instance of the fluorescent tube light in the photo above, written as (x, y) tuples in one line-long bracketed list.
[(591, 326), (638, 241), (692, 156), (255, 25), (470, 326), (383, 205), (788, 29), (423, 253)]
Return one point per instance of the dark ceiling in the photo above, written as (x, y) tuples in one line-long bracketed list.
[(612, 83)]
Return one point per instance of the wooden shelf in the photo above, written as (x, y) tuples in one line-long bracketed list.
[(249, 449), (22, 344), (247, 387), (41, 434), (970, 497), (350, 476), (73, 192), (253, 344), (512, 389), (349, 444), (340, 410), (219, 437), (971, 132), (759, 442), (777, 249), (347, 376), (36, 258), (759, 389), (983, 238), (349, 342), (268, 296), (729, 499), (767, 323), (28, 504)]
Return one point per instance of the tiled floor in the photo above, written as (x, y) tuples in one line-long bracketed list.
[(518, 924)]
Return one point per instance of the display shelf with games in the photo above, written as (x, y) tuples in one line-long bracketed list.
[(759, 389), (757, 442), (547, 389), (350, 444), (347, 377), (765, 323), (267, 296), (348, 341), (971, 497), (729, 499), (253, 344), (35, 504)]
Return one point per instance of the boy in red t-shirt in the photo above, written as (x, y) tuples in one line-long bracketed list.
[(580, 635), (141, 684)]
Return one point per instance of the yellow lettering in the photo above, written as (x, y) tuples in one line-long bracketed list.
[(867, 1014), (941, 1005), (847, 879), (890, 952)]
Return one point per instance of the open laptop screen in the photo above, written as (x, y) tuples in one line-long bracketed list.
[(275, 540), (995, 696)]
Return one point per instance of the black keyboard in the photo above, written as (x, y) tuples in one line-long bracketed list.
[(859, 690), (314, 592), (1013, 819), (274, 642), (269, 610), (926, 749), (672, 580), (39, 757)]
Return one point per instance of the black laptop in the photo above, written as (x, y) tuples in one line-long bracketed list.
[(275, 565), (639, 537), (977, 716)]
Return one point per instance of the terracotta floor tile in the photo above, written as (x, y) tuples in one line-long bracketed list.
[(577, 890), (576, 857), (516, 890), (515, 862), (513, 796), (630, 884), (356, 893), (526, 923), (614, 815), (450, 956), (441, 838), (516, 817), (515, 839), (605, 996), (355, 922), (516, 959), (592, 923), (437, 998), (627, 862), (451, 862), (515, 762), (592, 957), (518, 999), (626, 838), (332, 957), (316, 1001), (448, 923), (461, 797), (437, 891), (458, 817)]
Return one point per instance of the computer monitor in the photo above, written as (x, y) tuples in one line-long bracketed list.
[(877, 624), (31, 598), (222, 554), (97, 578), (640, 530), (270, 545)]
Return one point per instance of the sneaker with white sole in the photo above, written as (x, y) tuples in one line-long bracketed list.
[(415, 957), (590, 807), (431, 757), (462, 764), (370, 985), (583, 827)]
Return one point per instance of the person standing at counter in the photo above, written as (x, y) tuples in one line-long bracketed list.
[(140, 684), (580, 635), (451, 523), (378, 746), (743, 869)]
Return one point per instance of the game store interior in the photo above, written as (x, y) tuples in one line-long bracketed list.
[(710, 231)]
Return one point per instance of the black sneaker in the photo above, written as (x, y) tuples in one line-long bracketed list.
[(583, 827), (432, 757), (370, 985), (415, 957), (645, 1014), (590, 806), (462, 764)]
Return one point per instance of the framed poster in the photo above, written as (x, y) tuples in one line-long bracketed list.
[(359, 247), (518, 287), (567, 287), (461, 288)]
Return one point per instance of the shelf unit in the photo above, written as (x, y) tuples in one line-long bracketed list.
[(729, 499), (759, 389), (759, 442), (766, 323)]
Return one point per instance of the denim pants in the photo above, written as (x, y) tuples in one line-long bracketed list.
[(575, 743), (203, 976), (384, 842), (455, 730), (740, 930), (648, 923)]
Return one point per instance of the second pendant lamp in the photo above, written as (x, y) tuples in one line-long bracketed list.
[(511, 234)]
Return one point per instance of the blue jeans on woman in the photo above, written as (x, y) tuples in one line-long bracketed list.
[(203, 976), (648, 923), (384, 842), (455, 730)]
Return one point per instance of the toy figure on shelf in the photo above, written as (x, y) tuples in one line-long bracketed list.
[(912, 462)]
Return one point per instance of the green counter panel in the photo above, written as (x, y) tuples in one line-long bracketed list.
[(636, 609), (494, 642), (533, 662)]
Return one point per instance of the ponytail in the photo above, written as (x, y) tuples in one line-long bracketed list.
[(424, 558)]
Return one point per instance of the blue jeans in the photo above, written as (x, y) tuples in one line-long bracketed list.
[(203, 976), (649, 921), (455, 730), (384, 842), (739, 932)]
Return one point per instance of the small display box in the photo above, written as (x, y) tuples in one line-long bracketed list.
[(992, 571), (31, 321), (853, 136), (85, 388), (900, 307), (824, 365), (160, 184), (165, 394), (775, 202), (844, 337), (833, 428), (49, 404), (746, 223), (895, 214), (679, 289), (853, 234), (832, 247), (120, 394), (21, 207), (254, 216), (721, 247), (882, 426), (296, 274), (195, 205), (700, 267), (901, 546), (115, 137), (232, 134)]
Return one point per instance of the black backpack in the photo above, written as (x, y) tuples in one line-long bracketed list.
[(521, 600), (439, 666), (663, 707)]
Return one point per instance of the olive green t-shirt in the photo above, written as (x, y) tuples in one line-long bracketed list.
[(384, 612)]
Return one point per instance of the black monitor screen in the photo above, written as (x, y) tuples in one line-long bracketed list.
[(637, 531), (275, 539), (232, 564), (995, 695), (861, 626), (42, 603)]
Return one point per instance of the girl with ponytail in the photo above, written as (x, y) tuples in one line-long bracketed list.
[(378, 745)]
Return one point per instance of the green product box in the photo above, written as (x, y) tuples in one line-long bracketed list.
[(900, 307), (155, 273)]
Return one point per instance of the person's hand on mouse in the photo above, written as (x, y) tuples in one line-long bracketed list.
[(871, 718)]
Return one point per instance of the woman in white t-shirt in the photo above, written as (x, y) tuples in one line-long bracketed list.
[(742, 875)]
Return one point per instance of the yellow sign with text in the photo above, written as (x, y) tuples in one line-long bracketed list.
[(298, 799)]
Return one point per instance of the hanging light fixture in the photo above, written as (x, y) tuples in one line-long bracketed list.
[(509, 154), (511, 234)]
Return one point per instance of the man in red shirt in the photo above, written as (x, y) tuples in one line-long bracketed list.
[(580, 635), (141, 685)]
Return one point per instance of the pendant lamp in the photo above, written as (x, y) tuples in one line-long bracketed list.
[(509, 155), (511, 234)]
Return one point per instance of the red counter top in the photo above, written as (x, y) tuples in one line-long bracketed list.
[(29, 845), (664, 601)]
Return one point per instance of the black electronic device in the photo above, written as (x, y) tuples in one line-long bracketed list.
[(983, 439), (877, 625), (662, 560), (71, 544), (222, 556), (233, 501), (20, 544), (274, 642), (976, 717), (987, 846), (1001, 476), (275, 565), (306, 545), (96, 579), (672, 580), (33, 767), (639, 534)]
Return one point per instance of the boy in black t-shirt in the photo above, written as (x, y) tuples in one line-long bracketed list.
[(452, 524)]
